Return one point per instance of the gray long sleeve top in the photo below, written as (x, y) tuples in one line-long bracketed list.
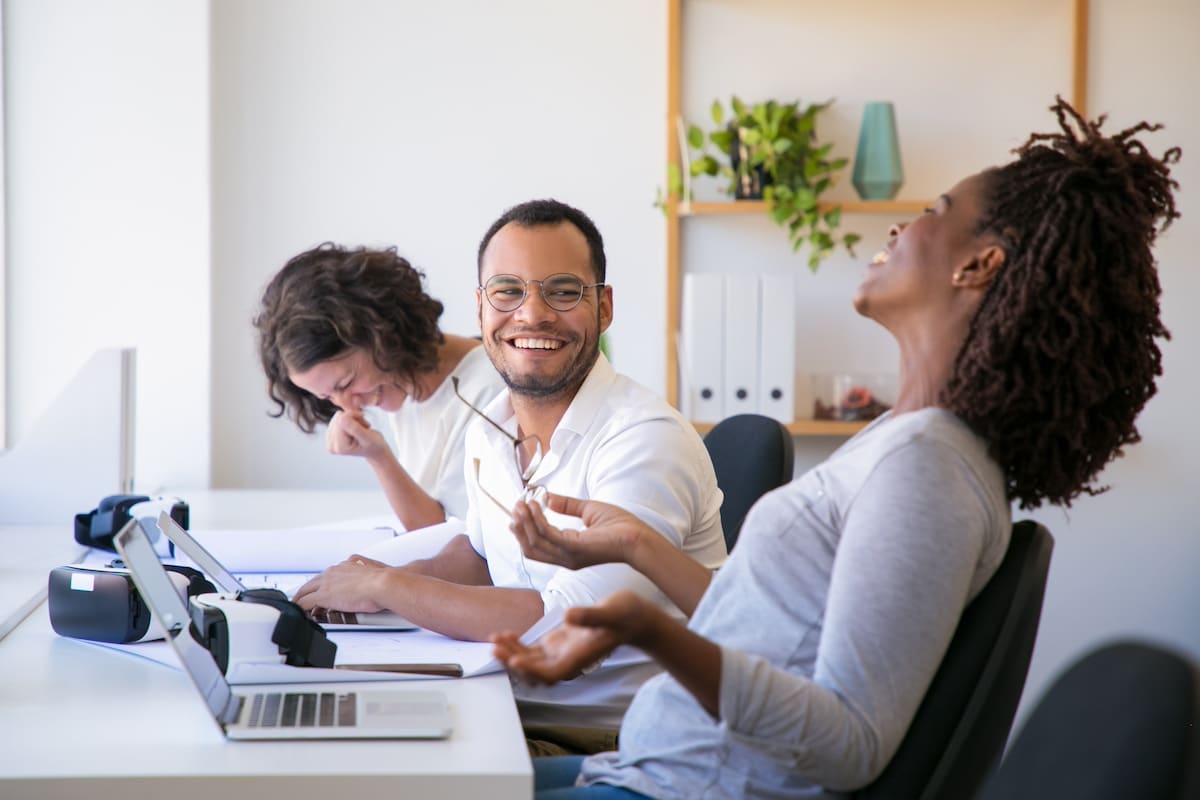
[(833, 613)]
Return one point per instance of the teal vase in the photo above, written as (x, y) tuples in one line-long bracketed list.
[(878, 174)]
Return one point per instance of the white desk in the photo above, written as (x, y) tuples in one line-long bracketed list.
[(81, 720)]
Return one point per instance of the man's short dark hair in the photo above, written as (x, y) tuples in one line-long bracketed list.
[(549, 212)]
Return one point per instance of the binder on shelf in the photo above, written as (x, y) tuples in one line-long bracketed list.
[(741, 344), (701, 344), (777, 346)]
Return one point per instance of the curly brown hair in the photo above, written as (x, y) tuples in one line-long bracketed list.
[(1061, 355), (329, 300)]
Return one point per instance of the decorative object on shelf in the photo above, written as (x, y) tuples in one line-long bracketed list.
[(852, 397), (878, 173), (770, 150)]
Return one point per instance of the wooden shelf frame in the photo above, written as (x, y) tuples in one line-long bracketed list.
[(692, 209), (677, 211), (806, 427)]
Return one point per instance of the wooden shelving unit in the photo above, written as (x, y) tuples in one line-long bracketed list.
[(677, 211), (807, 427), (848, 207)]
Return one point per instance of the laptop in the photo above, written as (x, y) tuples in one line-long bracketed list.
[(267, 711), (228, 582)]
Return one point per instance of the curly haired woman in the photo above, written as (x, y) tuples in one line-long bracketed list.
[(343, 329), (1025, 304)]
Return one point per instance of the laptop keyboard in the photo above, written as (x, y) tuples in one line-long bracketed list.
[(334, 617), (303, 710)]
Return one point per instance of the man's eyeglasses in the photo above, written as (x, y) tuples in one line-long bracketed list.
[(529, 493), (562, 292)]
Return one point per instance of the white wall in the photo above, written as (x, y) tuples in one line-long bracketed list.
[(108, 246), (416, 123)]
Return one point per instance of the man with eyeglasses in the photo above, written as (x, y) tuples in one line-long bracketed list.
[(570, 425)]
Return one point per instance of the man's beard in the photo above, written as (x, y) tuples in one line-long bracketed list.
[(551, 387)]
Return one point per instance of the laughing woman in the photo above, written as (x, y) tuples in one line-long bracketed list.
[(1025, 303), (344, 329)]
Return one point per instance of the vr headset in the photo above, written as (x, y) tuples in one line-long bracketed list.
[(102, 604), (96, 528), (260, 626)]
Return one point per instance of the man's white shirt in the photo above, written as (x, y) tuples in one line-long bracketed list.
[(620, 443)]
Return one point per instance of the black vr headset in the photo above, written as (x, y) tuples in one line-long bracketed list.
[(102, 604), (96, 528)]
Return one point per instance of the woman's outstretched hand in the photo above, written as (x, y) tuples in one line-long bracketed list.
[(612, 534), (586, 636)]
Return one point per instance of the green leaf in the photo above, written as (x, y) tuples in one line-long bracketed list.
[(674, 179), (833, 217), (760, 115), (839, 163), (722, 139), (718, 112), (782, 145), (705, 165), (749, 136), (739, 107), (806, 198), (695, 137)]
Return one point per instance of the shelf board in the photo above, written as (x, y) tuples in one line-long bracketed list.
[(848, 207), (807, 427)]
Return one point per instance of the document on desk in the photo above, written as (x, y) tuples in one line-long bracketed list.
[(286, 559), (424, 651)]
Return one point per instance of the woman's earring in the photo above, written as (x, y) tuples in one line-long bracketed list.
[(956, 277)]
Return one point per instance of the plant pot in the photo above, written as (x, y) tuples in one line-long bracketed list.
[(748, 181)]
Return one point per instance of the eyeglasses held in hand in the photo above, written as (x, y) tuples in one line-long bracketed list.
[(529, 493), (562, 292)]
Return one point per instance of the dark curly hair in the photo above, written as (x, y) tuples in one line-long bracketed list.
[(329, 300), (1061, 355)]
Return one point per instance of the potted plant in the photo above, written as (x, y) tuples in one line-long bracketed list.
[(770, 150)]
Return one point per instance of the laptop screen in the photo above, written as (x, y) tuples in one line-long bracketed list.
[(203, 559), (166, 605)]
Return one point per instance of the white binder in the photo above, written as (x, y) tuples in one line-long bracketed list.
[(777, 346), (741, 344), (701, 344)]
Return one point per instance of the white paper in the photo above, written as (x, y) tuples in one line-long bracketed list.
[(286, 550)]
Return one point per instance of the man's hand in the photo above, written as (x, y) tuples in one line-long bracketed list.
[(611, 534), (586, 636), (349, 434), (349, 586)]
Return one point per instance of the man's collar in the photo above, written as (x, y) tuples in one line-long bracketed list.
[(579, 413)]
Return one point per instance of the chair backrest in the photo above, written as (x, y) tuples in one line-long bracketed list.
[(960, 728), (751, 454), (1123, 721)]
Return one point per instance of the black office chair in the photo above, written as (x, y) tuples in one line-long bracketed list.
[(1122, 722), (751, 454), (959, 730)]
